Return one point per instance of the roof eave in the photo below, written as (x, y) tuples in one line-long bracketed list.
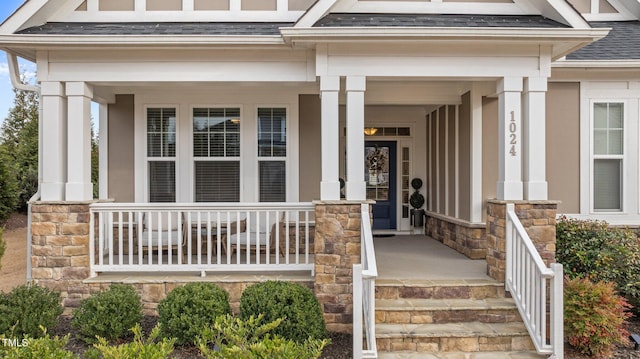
[(600, 64)]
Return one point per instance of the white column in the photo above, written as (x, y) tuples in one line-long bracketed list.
[(509, 139), (103, 152), (476, 197), (54, 141), (330, 185), (355, 187), (533, 138), (78, 186)]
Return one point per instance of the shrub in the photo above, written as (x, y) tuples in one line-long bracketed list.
[(594, 316), (3, 247), (592, 249), (41, 348), (235, 338), (108, 314), (26, 310), (188, 309), (292, 302), (139, 348)]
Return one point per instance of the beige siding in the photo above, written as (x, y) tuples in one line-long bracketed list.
[(164, 5), (116, 5), (489, 147), (82, 7), (300, 5), (310, 149), (199, 5), (258, 4), (464, 164), (606, 8), (121, 148), (563, 145), (583, 6)]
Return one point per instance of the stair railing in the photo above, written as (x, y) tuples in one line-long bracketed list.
[(364, 284), (536, 289)]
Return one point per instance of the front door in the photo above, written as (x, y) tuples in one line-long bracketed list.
[(380, 176)]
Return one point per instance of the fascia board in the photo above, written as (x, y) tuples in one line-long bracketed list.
[(619, 64), (19, 17), (22, 40)]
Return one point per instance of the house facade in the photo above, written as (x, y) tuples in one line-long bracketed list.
[(239, 116)]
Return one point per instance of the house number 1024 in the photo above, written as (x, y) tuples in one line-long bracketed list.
[(513, 138)]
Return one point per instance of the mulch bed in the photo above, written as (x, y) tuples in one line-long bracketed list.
[(340, 347), (15, 221)]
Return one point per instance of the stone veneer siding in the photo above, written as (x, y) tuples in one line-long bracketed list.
[(60, 248), (337, 249), (539, 220), (466, 238)]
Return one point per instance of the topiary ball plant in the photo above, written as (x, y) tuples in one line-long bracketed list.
[(297, 305), (417, 199), (187, 310), (26, 309)]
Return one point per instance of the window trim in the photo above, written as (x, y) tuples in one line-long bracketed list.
[(624, 157), (144, 149)]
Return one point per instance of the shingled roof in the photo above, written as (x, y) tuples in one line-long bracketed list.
[(163, 28), (437, 20), (622, 43)]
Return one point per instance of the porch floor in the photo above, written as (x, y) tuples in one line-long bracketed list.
[(418, 257)]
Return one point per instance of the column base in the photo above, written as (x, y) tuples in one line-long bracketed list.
[(79, 191), (510, 191), (356, 191), (536, 191), (52, 191), (329, 191)]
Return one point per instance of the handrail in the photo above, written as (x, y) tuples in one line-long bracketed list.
[(364, 276), (528, 279)]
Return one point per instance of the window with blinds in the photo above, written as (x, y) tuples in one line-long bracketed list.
[(216, 152), (272, 153), (608, 155), (161, 153)]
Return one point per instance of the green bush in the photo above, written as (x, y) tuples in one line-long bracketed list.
[(108, 314), (138, 349), (40, 348), (235, 338), (592, 249), (26, 310), (188, 309), (594, 317), (8, 186), (297, 305)]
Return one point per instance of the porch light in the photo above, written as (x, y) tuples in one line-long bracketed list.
[(370, 131), (235, 121)]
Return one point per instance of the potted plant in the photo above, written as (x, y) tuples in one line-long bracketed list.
[(417, 201)]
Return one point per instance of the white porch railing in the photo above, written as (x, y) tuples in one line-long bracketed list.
[(528, 279), (364, 286), (153, 237)]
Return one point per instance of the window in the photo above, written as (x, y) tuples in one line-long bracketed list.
[(272, 153), (161, 154), (216, 152), (608, 155)]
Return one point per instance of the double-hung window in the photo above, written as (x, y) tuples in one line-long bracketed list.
[(272, 154), (216, 153), (608, 156), (161, 154)]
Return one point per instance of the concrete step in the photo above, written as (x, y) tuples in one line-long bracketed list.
[(462, 355), (439, 289), (453, 337), (425, 311)]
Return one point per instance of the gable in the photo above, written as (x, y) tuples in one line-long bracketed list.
[(607, 10)]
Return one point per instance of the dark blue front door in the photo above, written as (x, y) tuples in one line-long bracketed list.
[(380, 176)]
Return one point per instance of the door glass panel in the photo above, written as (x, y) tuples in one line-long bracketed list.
[(377, 172)]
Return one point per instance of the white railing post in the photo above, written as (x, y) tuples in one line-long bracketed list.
[(357, 311), (557, 311), (92, 245), (508, 232)]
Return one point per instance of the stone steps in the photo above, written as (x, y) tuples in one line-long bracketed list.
[(425, 311), (449, 319)]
